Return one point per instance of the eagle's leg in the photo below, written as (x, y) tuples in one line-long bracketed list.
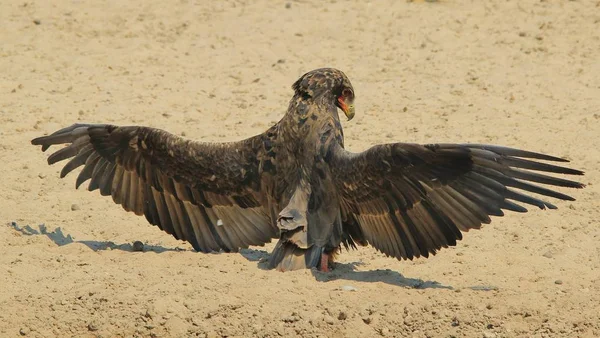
[(324, 262), (327, 258)]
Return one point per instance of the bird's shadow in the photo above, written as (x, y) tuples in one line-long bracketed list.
[(59, 238), (341, 271), (348, 271), (261, 257)]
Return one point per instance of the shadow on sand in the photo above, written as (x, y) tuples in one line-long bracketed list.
[(347, 271), (59, 238), (341, 271)]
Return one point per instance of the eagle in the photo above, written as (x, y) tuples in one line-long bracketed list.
[(297, 183)]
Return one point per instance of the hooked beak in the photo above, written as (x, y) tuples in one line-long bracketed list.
[(348, 109)]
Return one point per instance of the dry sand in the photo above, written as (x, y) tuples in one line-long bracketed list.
[(518, 73)]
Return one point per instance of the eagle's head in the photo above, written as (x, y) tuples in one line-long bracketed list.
[(330, 84)]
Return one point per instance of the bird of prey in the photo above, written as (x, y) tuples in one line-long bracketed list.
[(297, 183)]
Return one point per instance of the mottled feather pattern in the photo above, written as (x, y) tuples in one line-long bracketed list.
[(296, 182), (208, 195), (417, 199)]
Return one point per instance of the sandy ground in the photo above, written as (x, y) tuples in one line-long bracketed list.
[(516, 73)]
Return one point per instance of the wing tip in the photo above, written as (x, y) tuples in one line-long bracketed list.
[(39, 141), (503, 150), (554, 158), (576, 172)]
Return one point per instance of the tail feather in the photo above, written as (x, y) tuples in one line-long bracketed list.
[(287, 256)]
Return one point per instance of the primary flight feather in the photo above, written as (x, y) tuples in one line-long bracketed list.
[(297, 183)]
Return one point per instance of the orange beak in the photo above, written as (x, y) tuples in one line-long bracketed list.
[(347, 109)]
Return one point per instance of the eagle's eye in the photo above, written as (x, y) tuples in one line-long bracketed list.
[(347, 92)]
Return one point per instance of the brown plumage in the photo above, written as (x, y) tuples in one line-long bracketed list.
[(296, 182)]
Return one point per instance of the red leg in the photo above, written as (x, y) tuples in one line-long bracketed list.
[(324, 262)]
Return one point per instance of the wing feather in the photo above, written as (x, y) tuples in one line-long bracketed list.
[(454, 210), (202, 236), (150, 210), (410, 200), (207, 194)]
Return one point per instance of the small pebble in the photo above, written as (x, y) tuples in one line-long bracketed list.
[(138, 246), (24, 331), (92, 326), (348, 288), (548, 254), (149, 314), (329, 320), (288, 5), (342, 316), (37, 21), (75, 207), (385, 331), (367, 320), (558, 282), (292, 318)]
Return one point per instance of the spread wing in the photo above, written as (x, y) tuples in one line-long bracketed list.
[(410, 200), (213, 195)]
